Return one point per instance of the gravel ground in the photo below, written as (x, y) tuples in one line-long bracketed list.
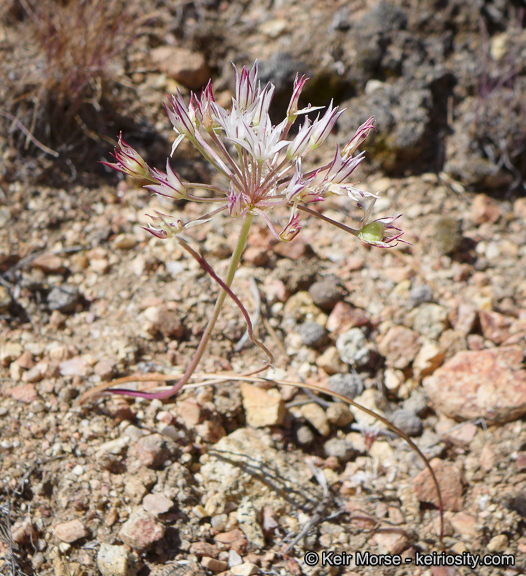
[(244, 478)]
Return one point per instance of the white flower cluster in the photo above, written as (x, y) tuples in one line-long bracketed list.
[(262, 167)]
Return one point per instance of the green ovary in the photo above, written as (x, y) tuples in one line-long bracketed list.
[(373, 232)]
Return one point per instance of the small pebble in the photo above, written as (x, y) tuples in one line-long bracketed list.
[(63, 298), (125, 241), (70, 531), (214, 565), (330, 361), (76, 366), (151, 450), (114, 560), (352, 347), (304, 435), (339, 414), (498, 543), (219, 522), (174, 268), (157, 504), (262, 407), (446, 235), (339, 448), (9, 352), (416, 403), (105, 368), (245, 569), (315, 415), (408, 422), (57, 320), (420, 294), (348, 385), (312, 334), (326, 294), (38, 560), (234, 559), (24, 393), (141, 530), (430, 320)]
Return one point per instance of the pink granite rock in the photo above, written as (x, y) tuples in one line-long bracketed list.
[(489, 384)]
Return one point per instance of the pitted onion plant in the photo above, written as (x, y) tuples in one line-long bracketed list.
[(262, 169)]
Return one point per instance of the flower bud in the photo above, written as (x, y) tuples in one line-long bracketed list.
[(293, 105), (235, 204), (129, 161), (359, 138), (291, 230)]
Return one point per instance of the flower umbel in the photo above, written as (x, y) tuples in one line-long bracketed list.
[(262, 166)]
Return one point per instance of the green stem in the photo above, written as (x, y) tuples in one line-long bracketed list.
[(234, 262)]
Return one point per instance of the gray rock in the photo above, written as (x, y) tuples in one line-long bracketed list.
[(430, 320), (409, 137), (483, 123), (403, 111), (247, 517), (408, 422), (385, 16), (420, 294), (312, 334), (279, 69), (352, 348), (349, 343), (381, 104), (416, 403), (63, 298), (304, 435), (447, 235), (339, 448), (326, 294), (348, 385)]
